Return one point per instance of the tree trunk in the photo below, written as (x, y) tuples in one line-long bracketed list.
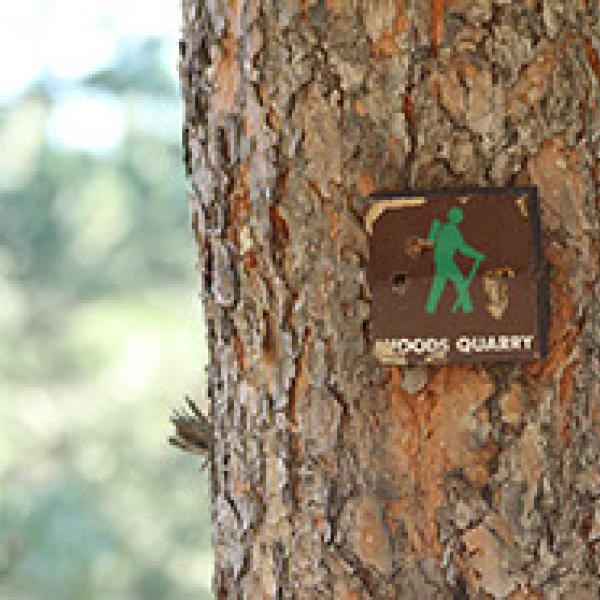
[(334, 477)]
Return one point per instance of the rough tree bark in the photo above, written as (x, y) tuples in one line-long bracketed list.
[(333, 477)]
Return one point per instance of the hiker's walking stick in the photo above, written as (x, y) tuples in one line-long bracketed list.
[(469, 280)]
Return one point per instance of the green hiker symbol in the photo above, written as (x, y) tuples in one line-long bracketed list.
[(447, 240)]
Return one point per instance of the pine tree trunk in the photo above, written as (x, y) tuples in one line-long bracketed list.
[(334, 477)]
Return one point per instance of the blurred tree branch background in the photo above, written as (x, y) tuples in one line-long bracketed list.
[(100, 331)]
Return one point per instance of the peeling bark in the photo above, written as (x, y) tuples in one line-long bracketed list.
[(333, 477)]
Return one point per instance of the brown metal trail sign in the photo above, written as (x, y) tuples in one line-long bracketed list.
[(456, 276)]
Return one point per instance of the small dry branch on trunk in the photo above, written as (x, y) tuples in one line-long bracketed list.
[(193, 430)]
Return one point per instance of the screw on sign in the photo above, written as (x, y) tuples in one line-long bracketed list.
[(457, 276)]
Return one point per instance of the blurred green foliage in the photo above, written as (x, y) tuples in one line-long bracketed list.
[(100, 337)]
